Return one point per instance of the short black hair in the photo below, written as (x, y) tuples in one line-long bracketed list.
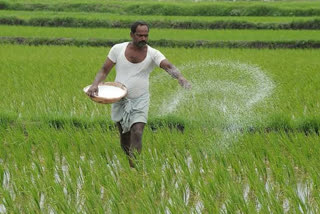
[(136, 24)]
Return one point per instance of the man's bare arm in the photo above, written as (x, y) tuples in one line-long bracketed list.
[(101, 75), (174, 72)]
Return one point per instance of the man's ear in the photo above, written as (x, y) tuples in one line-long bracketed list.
[(131, 34)]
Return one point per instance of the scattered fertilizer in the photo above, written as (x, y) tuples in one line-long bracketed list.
[(232, 90)]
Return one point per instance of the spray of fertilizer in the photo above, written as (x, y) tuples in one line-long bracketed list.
[(235, 88)]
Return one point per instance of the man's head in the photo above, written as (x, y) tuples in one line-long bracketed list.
[(139, 33)]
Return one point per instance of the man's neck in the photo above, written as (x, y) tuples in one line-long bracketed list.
[(136, 47)]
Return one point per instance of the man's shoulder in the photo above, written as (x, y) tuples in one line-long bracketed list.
[(119, 45), (152, 50), (122, 43), (156, 55)]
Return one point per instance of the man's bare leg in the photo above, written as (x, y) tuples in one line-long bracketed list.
[(125, 143), (136, 132), (131, 141)]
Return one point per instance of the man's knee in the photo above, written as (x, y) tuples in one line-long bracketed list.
[(137, 129), (137, 132)]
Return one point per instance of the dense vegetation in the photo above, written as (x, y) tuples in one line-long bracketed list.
[(244, 139)]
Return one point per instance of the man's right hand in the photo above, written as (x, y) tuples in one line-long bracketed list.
[(184, 83), (93, 91)]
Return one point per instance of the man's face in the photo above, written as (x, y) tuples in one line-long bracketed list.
[(140, 37)]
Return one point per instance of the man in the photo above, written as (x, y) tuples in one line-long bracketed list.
[(133, 62)]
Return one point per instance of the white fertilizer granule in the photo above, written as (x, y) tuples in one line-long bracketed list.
[(107, 91), (238, 88)]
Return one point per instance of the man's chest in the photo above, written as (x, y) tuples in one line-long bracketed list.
[(135, 56)]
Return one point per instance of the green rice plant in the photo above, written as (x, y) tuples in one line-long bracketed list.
[(82, 19), (301, 8), (215, 185), (159, 34), (257, 90), (28, 15), (143, 1), (296, 44), (219, 24)]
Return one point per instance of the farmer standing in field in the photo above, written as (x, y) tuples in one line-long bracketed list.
[(133, 62)]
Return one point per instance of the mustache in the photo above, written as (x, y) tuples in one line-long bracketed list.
[(142, 42)]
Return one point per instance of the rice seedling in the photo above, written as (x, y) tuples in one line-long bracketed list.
[(84, 170), (157, 34), (243, 146), (231, 83), (131, 18)]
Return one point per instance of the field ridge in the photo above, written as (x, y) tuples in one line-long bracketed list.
[(276, 124), (76, 22)]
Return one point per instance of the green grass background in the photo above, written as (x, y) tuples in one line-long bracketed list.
[(157, 34), (59, 151)]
